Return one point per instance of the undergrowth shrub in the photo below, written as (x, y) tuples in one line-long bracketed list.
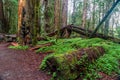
[(19, 47), (108, 63)]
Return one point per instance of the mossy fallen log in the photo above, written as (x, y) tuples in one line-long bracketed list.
[(69, 66), (67, 29), (83, 32)]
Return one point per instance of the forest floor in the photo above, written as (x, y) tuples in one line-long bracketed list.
[(23, 65), (20, 65)]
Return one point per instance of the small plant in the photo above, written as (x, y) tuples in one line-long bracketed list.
[(54, 75), (19, 47)]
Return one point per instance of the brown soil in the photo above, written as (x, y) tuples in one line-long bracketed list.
[(20, 65)]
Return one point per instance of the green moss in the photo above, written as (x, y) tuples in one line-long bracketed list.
[(19, 47), (58, 47), (108, 63)]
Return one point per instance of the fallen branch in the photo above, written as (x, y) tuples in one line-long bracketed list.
[(14, 44), (40, 46), (47, 52)]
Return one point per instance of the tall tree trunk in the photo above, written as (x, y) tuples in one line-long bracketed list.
[(73, 13), (113, 22), (1, 15), (64, 12), (57, 16), (106, 30), (103, 14), (36, 21), (93, 16), (1, 10), (28, 21), (4, 22), (20, 20), (47, 16), (84, 14)]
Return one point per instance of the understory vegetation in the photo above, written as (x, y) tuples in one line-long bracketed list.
[(19, 47), (108, 63)]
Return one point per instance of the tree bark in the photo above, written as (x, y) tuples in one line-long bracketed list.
[(4, 23), (64, 12), (57, 15), (93, 16), (73, 13), (84, 14), (47, 17), (28, 21), (21, 4), (1, 10)]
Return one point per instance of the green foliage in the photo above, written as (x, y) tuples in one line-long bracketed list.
[(108, 63), (11, 14), (19, 47), (58, 47)]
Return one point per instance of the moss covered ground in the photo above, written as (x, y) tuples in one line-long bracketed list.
[(108, 63)]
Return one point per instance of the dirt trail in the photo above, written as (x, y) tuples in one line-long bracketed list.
[(23, 65), (20, 65)]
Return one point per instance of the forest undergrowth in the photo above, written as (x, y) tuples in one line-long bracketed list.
[(109, 63)]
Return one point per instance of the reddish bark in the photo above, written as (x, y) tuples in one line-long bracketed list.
[(40, 46)]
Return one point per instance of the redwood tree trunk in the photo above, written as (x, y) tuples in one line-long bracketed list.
[(84, 13), (73, 13), (64, 12), (28, 21), (57, 15), (20, 6)]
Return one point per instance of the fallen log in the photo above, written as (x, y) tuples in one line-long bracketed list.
[(11, 38), (83, 32), (70, 65), (40, 46), (87, 33), (62, 31)]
